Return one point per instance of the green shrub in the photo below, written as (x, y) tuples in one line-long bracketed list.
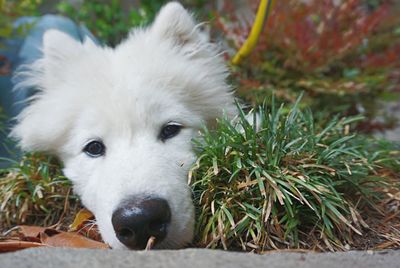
[(11, 10), (34, 191), (111, 21), (290, 184)]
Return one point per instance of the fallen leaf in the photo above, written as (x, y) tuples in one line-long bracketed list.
[(29, 231), (81, 218), (14, 245), (24, 236), (85, 224), (70, 240)]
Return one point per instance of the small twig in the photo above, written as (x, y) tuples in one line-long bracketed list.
[(150, 243), (66, 206)]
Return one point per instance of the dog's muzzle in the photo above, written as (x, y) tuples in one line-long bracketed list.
[(139, 218)]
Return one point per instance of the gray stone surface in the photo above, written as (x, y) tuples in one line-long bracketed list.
[(193, 258)]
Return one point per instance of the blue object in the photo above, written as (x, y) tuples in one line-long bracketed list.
[(24, 50)]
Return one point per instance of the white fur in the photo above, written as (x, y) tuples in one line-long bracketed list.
[(167, 72)]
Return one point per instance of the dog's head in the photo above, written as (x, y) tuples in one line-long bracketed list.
[(122, 121)]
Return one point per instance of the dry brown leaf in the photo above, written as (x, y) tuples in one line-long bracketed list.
[(24, 236), (69, 240), (29, 231), (14, 245)]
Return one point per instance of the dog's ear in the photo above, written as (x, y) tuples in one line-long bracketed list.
[(41, 124), (59, 51), (174, 23), (211, 94)]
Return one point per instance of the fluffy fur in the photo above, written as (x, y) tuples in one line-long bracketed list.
[(123, 96)]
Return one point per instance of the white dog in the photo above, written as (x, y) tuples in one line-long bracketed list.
[(122, 121)]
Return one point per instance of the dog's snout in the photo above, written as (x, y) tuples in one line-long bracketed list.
[(137, 219)]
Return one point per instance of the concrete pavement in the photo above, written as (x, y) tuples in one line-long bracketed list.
[(193, 258)]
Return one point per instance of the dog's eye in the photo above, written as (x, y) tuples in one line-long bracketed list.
[(170, 130), (95, 148)]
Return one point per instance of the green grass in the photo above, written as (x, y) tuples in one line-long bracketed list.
[(34, 191), (290, 184)]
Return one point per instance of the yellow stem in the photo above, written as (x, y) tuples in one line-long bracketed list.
[(251, 42)]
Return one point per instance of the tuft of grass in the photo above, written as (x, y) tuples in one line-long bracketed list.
[(287, 183), (34, 191)]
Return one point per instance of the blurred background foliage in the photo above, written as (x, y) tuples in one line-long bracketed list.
[(345, 54), (10, 10)]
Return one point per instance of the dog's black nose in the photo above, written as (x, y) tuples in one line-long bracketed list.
[(137, 219)]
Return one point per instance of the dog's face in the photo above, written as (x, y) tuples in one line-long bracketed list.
[(122, 121)]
